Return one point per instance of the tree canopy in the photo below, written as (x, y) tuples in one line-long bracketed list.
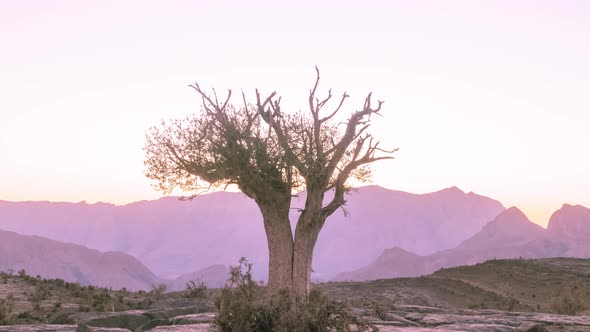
[(270, 155)]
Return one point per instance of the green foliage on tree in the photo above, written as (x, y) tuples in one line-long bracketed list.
[(270, 155)]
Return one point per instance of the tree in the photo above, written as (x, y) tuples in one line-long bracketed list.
[(270, 155)]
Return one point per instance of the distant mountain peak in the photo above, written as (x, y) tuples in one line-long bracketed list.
[(513, 220), (575, 211), (371, 188), (512, 214), (397, 251), (453, 189), (571, 221), (510, 227), (579, 207)]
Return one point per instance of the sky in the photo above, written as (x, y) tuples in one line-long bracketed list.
[(489, 96)]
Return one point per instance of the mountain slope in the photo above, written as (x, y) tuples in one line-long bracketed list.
[(509, 235), (171, 237), (571, 224), (533, 282), (213, 276), (392, 263), (510, 228), (70, 262), (175, 237), (381, 218)]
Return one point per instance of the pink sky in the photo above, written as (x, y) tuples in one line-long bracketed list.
[(490, 96)]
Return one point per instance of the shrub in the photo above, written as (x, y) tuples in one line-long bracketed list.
[(6, 312), (157, 292), (195, 290), (568, 301), (511, 301), (41, 293), (380, 310), (101, 301), (245, 306), (24, 315), (59, 282)]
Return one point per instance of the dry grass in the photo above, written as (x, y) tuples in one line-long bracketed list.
[(515, 284), (560, 285)]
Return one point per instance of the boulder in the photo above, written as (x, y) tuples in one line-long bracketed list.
[(38, 328), (476, 328), (130, 320), (387, 328), (394, 319), (444, 319), (193, 319), (167, 313), (186, 328), (152, 324), (206, 304), (86, 328), (531, 327)]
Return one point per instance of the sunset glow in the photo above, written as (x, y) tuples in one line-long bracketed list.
[(488, 96)]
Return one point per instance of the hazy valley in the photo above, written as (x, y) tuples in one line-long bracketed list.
[(173, 237), (387, 234)]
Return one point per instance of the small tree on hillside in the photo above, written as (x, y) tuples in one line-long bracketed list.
[(269, 155)]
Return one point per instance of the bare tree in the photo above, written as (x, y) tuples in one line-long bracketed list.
[(270, 155), (325, 160)]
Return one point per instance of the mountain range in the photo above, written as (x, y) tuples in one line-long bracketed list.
[(71, 262), (509, 235), (173, 237), (75, 263), (386, 234)]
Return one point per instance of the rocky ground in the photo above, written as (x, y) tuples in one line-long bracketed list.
[(401, 318), (502, 295)]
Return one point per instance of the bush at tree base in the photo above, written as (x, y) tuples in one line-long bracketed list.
[(245, 306)]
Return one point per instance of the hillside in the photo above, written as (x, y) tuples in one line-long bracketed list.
[(533, 283), (498, 295), (509, 235), (74, 263), (51, 259), (175, 237), (34, 300)]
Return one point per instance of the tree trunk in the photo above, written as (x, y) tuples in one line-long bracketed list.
[(280, 245), (290, 259), (306, 234), (305, 240)]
